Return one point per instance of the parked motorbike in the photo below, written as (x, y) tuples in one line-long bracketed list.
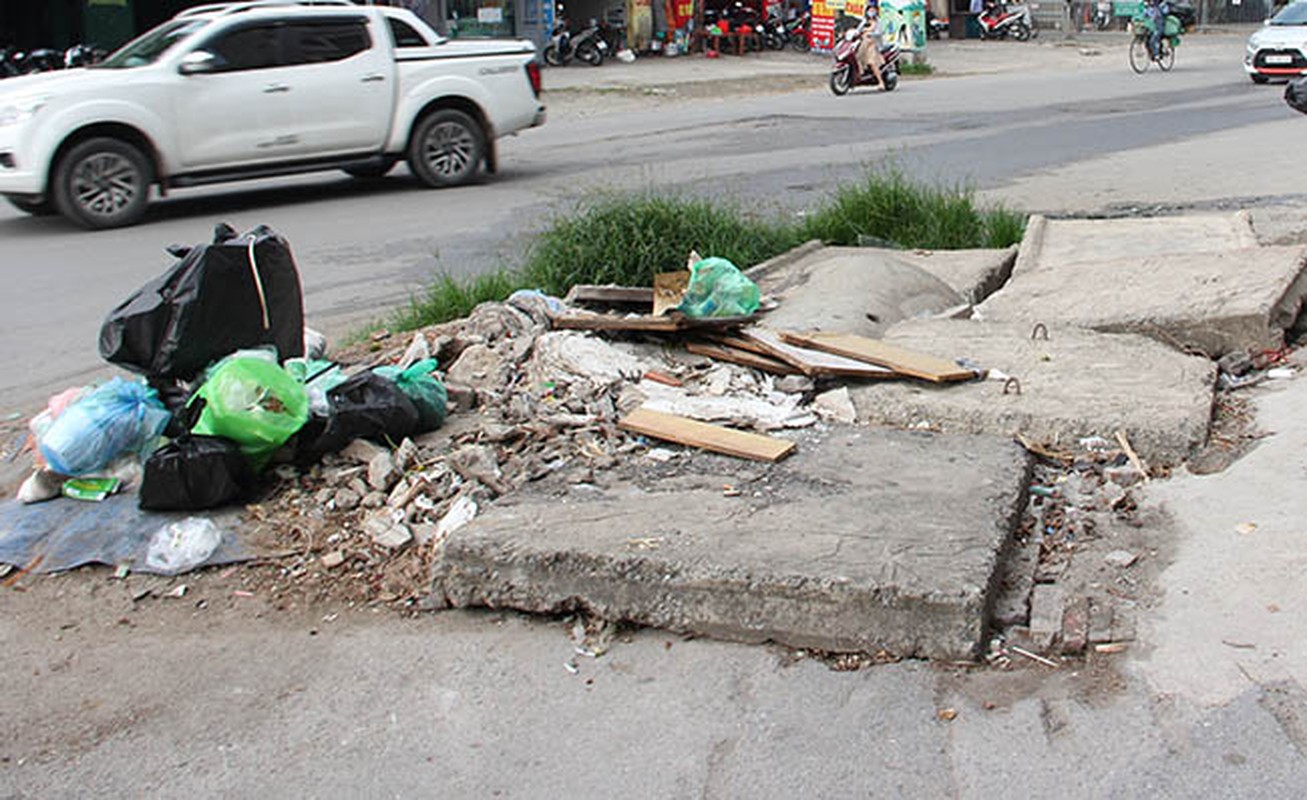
[(998, 20), (935, 27), (845, 73), (10, 60), (773, 33), (81, 55), (586, 46), (797, 32)]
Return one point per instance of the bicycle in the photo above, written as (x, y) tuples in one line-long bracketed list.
[(1140, 58)]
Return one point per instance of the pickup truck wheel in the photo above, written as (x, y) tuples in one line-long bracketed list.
[(102, 183), (37, 208), (447, 148)]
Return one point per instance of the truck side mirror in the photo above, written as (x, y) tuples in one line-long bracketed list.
[(198, 62)]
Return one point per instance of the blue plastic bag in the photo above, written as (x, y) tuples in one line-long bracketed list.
[(114, 419), (718, 289)]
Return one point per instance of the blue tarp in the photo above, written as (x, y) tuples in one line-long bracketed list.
[(65, 534)]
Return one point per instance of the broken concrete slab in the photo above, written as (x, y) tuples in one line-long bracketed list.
[(1210, 302), (860, 290), (1058, 242), (861, 541), (1076, 384), (974, 274)]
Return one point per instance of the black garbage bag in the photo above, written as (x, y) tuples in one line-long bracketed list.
[(1295, 94), (240, 291), (366, 406), (192, 472)]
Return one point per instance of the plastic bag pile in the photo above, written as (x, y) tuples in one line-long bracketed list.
[(216, 404)]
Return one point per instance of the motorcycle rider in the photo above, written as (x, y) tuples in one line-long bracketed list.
[(869, 44)]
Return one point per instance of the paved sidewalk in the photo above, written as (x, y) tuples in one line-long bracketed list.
[(1051, 50)]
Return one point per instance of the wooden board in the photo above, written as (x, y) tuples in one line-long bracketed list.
[(616, 322), (611, 295), (876, 351), (693, 433), (722, 352), (671, 323), (813, 363)]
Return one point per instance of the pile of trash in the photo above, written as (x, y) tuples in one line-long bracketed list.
[(231, 382), (353, 472)]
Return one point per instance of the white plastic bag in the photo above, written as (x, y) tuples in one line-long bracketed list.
[(183, 545)]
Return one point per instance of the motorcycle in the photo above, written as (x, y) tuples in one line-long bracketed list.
[(772, 33), (81, 55), (935, 27), (845, 74), (797, 32), (587, 46), (998, 20)]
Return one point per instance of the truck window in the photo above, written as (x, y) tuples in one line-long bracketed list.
[(404, 35), (253, 47), (317, 41)]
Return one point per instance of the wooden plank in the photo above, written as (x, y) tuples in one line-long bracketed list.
[(693, 433), (611, 295), (744, 358), (814, 363), (876, 351), (615, 322)]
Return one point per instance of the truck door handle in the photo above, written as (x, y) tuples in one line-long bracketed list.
[(373, 78), (276, 88)]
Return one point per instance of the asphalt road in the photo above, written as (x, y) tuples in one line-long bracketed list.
[(364, 247), (222, 694)]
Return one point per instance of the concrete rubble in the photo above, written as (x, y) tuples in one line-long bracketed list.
[(909, 521)]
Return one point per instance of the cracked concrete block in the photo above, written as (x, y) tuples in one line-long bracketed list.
[(1076, 384), (1208, 302), (861, 541), (1056, 243)]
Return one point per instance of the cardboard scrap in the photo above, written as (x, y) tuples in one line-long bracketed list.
[(876, 351), (680, 430), (668, 291), (587, 294)]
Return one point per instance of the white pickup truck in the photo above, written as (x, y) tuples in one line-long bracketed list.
[(231, 91)]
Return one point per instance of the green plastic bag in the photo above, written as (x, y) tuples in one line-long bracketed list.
[(718, 289), (427, 393), (253, 402)]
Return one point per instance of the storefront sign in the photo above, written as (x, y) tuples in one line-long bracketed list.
[(905, 18), (490, 15)]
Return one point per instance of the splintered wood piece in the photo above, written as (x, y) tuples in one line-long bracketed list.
[(745, 358), (610, 295), (876, 351), (614, 322), (813, 363), (668, 291), (693, 433)]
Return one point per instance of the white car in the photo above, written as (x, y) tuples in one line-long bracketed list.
[(254, 89), (1279, 48)]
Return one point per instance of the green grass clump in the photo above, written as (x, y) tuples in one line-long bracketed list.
[(627, 239), (909, 68), (887, 206), (449, 298)]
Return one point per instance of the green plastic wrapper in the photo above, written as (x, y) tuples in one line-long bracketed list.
[(427, 393), (718, 289), (253, 402)]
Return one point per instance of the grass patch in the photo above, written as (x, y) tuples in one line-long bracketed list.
[(887, 206), (628, 238), (909, 68)]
